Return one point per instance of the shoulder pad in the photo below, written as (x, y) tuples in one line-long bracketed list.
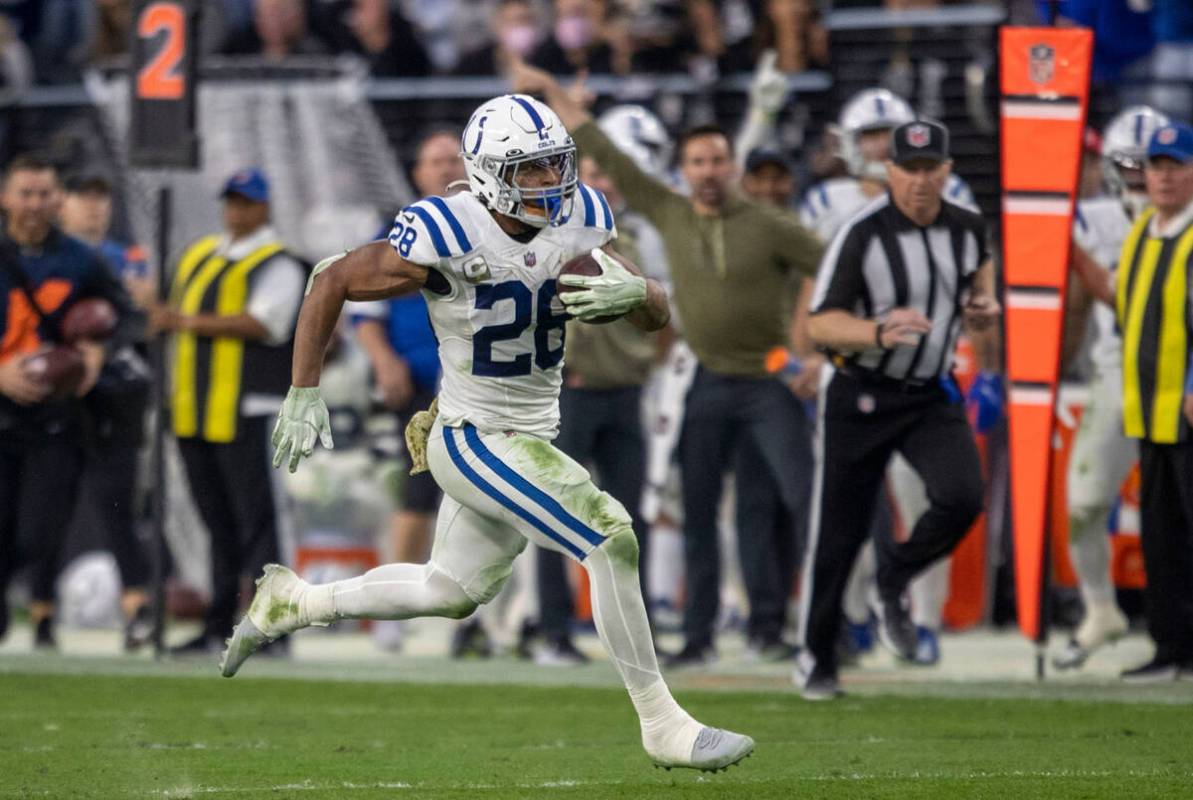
[(591, 209), (433, 229)]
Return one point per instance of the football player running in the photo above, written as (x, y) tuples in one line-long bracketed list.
[(1102, 456), (488, 262)]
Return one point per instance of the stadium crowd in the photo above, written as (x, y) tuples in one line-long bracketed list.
[(722, 397)]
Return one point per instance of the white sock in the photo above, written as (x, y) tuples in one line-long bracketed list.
[(391, 591), (1089, 550), (668, 732)]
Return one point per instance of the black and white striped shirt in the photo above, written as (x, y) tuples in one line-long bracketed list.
[(881, 260)]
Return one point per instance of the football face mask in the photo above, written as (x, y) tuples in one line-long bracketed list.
[(541, 186)]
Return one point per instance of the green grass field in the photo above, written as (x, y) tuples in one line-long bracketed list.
[(147, 735)]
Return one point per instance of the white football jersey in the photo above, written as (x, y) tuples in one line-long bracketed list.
[(496, 314), (830, 204), (1100, 226)]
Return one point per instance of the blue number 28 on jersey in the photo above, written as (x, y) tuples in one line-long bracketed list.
[(528, 308)]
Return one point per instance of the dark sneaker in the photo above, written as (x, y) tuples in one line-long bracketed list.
[(692, 655), (816, 684), (138, 631), (470, 641), (927, 646), (201, 645), (895, 629), (559, 653), (1154, 671), (769, 648), (43, 635)]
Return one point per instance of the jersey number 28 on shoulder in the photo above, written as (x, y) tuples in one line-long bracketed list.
[(528, 308)]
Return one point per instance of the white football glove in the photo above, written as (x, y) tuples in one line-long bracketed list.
[(302, 420), (614, 292), (768, 88)]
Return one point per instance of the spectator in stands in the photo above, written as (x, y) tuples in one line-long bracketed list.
[(279, 30), (112, 30), (728, 256), (379, 32), (42, 274), (1173, 59), (768, 178), (515, 35), (577, 39), (231, 312), (117, 407)]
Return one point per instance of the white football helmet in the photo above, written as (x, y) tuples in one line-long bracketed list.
[(1124, 147), (869, 110), (640, 135), (508, 134)]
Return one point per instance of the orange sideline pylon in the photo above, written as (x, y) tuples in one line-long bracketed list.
[(1045, 89)]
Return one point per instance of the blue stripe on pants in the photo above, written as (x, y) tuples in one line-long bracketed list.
[(468, 472), (530, 490)]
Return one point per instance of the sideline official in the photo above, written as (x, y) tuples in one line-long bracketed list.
[(1155, 313), (890, 297), (233, 303)]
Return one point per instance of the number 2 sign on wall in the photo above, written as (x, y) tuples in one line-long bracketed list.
[(162, 118)]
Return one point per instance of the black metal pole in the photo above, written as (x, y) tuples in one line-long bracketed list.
[(158, 489)]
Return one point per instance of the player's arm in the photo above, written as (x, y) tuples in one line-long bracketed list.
[(655, 311), (373, 272), (620, 289), (1096, 279)]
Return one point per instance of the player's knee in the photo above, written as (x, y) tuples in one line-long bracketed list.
[(453, 600), (622, 547), (461, 608)]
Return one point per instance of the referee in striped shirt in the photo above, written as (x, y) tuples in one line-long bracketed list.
[(891, 294)]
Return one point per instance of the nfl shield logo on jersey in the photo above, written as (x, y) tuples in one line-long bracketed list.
[(1041, 63), (530, 259)]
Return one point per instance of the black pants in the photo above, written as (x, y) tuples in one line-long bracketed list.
[(420, 493), (1166, 516), (760, 419), (861, 425), (232, 489), (107, 502), (602, 428), (38, 479)]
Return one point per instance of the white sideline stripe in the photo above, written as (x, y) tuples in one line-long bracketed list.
[(1013, 109), (1048, 302), (1031, 397), (836, 777), (1040, 206)]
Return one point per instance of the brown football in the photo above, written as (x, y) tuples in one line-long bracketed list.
[(585, 264), (93, 318), (61, 367)]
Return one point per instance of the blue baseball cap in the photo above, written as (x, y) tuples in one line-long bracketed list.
[(248, 183), (1174, 140)]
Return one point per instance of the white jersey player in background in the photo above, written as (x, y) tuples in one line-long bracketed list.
[(1102, 456), (488, 262), (864, 131)]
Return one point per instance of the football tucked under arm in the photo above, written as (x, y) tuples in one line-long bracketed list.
[(602, 286)]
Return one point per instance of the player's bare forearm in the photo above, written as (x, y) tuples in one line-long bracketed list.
[(655, 311), (236, 326), (373, 272), (842, 331), (1093, 276)]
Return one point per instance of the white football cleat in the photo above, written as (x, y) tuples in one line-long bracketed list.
[(713, 750), (274, 612), (1103, 623)]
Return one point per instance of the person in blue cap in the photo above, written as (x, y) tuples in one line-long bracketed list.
[(231, 313), (1154, 306)]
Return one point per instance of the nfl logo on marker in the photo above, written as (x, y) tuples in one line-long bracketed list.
[(918, 135), (1166, 136), (530, 259), (1042, 62)]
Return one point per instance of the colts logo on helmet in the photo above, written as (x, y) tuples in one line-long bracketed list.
[(918, 135)]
